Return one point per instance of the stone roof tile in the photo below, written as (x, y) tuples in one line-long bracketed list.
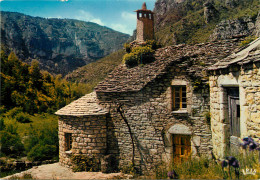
[(194, 58), (84, 106), (250, 53)]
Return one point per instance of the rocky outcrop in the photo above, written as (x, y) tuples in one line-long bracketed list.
[(210, 12), (162, 9), (60, 45), (257, 26), (228, 29)]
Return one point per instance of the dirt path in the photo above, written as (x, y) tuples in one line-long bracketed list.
[(56, 171)]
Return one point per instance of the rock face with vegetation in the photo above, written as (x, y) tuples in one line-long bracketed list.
[(228, 29), (210, 13), (191, 22), (60, 45)]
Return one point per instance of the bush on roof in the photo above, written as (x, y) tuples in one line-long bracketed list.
[(139, 55)]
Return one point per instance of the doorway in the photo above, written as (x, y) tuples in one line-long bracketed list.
[(234, 111), (181, 148)]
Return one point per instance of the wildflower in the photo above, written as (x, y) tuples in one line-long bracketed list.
[(232, 161), (224, 163), (248, 141), (172, 175)]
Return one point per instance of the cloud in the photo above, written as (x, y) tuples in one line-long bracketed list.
[(58, 17), (86, 16), (122, 28), (129, 24), (128, 16)]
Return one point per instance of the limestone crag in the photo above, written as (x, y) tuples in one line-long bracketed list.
[(257, 26), (228, 29), (162, 8)]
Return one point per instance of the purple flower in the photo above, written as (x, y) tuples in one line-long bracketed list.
[(248, 141), (172, 174), (224, 163), (253, 146), (232, 161)]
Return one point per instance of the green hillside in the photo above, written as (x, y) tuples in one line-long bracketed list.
[(95, 72)]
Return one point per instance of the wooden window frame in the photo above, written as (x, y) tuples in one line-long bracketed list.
[(181, 98), (68, 141)]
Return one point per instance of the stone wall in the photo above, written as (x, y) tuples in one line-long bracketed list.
[(145, 29), (89, 137), (150, 116), (247, 78)]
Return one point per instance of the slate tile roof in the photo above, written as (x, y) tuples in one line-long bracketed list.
[(84, 106), (194, 58), (250, 53)]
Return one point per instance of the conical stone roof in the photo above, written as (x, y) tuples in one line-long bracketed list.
[(84, 106)]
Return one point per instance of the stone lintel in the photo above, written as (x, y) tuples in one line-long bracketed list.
[(180, 129)]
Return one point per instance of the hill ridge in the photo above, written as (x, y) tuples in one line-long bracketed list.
[(60, 45)]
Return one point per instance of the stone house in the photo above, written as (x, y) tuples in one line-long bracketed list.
[(163, 104), (148, 113), (235, 98)]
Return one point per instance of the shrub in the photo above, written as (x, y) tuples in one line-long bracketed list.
[(153, 44), (139, 55), (23, 118), (11, 144), (24, 176), (130, 60), (42, 145), (127, 47), (247, 40), (2, 109), (12, 128), (129, 169), (13, 112), (198, 85), (2, 124), (84, 163), (42, 152)]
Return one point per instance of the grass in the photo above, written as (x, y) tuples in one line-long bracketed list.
[(203, 168), (8, 173), (24, 176), (38, 122)]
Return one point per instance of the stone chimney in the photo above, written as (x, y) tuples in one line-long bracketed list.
[(145, 24)]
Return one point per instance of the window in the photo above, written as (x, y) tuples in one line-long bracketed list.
[(181, 148), (179, 97), (68, 141)]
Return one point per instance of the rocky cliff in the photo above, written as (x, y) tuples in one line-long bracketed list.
[(241, 27), (60, 45), (191, 22)]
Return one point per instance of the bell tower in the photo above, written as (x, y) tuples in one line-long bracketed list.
[(145, 23)]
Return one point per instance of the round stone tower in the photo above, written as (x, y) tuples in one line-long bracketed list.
[(145, 23)]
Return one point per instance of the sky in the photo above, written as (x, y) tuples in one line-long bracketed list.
[(116, 14)]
